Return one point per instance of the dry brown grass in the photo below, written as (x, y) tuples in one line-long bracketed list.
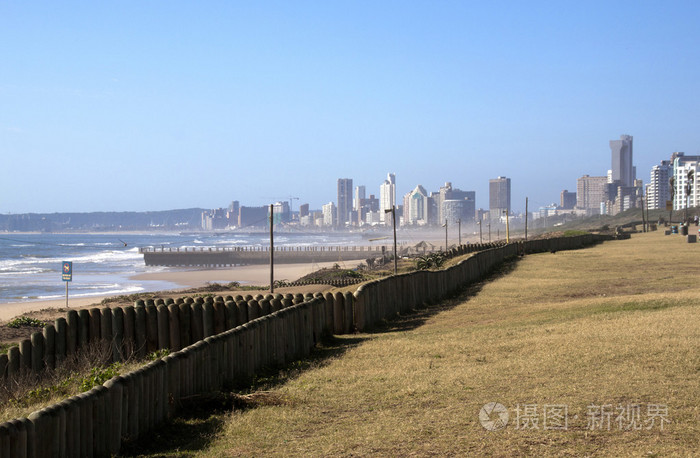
[(614, 324)]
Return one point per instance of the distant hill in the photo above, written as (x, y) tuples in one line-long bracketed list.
[(186, 219)]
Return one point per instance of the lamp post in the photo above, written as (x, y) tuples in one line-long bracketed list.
[(393, 219), (445, 226), (459, 231), (507, 227), (272, 250)]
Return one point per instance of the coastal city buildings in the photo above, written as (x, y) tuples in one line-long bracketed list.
[(612, 193), (499, 197)]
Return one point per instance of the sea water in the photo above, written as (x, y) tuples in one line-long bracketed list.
[(103, 264)]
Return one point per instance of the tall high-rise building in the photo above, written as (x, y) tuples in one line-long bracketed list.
[(344, 201), (622, 166), (499, 197), (591, 192), (658, 189), (387, 197), (358, 197)]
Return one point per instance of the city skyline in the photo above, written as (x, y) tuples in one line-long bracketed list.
[(140, 107)]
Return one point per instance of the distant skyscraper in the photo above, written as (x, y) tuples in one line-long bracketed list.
[(591, 192), (303, 210), (567, 200), (387, 196), (358, 198), (658, 190), (499, 196), (622, 165), (344, 201), (329, 214), (415, 207)]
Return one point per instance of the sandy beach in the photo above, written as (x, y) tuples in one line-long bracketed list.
[(246, 275)]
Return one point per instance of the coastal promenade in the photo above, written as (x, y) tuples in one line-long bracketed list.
[(231, 256)]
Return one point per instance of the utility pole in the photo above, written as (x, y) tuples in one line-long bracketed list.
[(459, 230), (445, 226), (526, 218), (272, 250), (393, 219), (507, 227)]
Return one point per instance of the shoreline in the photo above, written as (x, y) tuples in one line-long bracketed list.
[(185, 279)]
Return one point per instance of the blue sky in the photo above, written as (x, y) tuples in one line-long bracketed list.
[(155, 105)]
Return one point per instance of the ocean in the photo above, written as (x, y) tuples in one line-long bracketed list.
[(30, 264)]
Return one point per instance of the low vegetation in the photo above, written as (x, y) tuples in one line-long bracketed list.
[(81, 372), (25, 321)]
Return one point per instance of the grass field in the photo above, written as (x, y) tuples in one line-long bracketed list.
[(591, 352)]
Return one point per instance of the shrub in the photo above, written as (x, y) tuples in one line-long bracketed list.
[(25, 321)]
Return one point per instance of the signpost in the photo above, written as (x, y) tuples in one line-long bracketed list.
[(67, 275)]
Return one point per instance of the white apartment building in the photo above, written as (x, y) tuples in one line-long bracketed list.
[(329, 214), (387, 197), (415, 207), (658, 189)]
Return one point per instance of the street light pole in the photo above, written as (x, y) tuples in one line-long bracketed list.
[(445, 226), (272, 251), (459, 231), (393, 219), (507, 227)]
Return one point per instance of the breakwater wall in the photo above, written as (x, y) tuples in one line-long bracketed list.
[(277, 331), (220, 256)]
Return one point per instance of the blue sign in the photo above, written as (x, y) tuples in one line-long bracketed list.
[(67, 271)]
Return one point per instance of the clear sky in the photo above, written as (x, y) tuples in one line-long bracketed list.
[(157, 105)]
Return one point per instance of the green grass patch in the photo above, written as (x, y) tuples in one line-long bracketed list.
[(25, 321)]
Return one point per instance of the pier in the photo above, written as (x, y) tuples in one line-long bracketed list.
[(231, 256)]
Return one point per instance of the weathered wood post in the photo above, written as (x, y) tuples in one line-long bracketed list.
[(174, 327), (61, 339), (151, 328), (117, 333), (140, 345), (50, 346), (208, 319), (163, 327)]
